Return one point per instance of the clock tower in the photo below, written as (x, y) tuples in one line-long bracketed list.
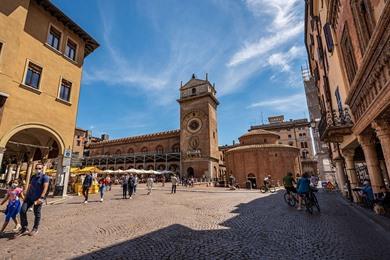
[(198, 129)]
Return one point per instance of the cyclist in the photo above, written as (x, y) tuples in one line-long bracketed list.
[(267, 182), (303, 187), (288, 182)]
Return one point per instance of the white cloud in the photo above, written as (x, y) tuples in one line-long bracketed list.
[(265, 45), (283, 59), (286, 22), (296, 102)]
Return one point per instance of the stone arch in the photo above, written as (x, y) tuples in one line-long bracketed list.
[(29, 126), (130, 150), (118, 151), (190, 172), (159, 149), (176, 148), (144, 149)]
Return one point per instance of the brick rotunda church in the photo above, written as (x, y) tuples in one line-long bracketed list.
[(259, 155), (190, 151)]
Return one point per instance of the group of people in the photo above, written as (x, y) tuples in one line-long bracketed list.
[(303, 185), (19, 202), (129, 185)]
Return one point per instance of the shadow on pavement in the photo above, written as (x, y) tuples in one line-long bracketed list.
[(265, 228)]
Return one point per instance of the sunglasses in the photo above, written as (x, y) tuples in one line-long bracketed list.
[(38, 168)]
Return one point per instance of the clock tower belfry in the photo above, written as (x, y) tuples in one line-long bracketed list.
[(198, 129)]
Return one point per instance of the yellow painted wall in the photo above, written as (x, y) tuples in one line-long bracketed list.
[(23, 31)]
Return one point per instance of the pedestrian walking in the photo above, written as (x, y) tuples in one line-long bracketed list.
[(108, 183), (131, 186), (87, 183), (102, 187), (149, 184), (125, 186), (13, 206), (135, 184), (174, 184), (35, 197)]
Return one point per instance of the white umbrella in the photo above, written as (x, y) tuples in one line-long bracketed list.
[(108, 171)]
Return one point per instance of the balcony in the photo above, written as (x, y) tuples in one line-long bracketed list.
[(335, 125)]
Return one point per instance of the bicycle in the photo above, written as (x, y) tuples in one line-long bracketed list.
[(311, 201), (270, 187), (291, 199)]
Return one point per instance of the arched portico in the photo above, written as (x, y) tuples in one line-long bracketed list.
[(25, 145)]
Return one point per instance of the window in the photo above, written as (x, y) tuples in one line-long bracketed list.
[(176, 148), (1, 47), (65, 89), (348, 54), (363, 17), (54, 38), (289, 136), (193, 91), (33, 76), (338, 100), (159, 149), (70, 50), (144, 150), (78, 142), (320, 49), (131, 150), (328, 37)]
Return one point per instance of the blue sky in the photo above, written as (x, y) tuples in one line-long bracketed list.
[(251, 49)]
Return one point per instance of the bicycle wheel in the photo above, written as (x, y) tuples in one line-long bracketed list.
[(316, 204), (289, 200), (309, 205), (263, 189)]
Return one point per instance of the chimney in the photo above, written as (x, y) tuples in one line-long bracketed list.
[(207, 76), (181, 83), (234, 142)]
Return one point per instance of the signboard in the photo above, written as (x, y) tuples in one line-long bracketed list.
[(66, 162), (68, 153)]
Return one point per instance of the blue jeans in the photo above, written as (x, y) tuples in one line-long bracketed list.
[(23, 214), (102, 189)]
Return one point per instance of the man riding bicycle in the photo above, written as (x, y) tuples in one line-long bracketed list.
[(303, 187), (267, 182), (288, 182)]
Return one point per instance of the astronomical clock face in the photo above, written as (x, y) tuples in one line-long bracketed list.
[(193, 121), (194, 125)]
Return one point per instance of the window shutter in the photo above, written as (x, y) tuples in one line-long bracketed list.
[(328, 37)]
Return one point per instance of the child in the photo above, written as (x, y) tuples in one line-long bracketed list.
[(14, 205)]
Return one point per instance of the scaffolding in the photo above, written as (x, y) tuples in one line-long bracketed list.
[(149, 161)]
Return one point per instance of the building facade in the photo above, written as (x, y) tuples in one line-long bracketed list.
[(348, 48), (259, 154), (326, 170), (190, 151), (294, 133), (41, 58)]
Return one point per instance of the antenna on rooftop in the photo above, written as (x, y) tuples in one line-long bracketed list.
[(262, 119), (181, 83), (207, 76)]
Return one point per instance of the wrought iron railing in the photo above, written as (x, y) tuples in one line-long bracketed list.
[(335, 118)]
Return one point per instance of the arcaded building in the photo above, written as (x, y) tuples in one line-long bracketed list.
[(42, 53), (190, 151), (258, 155), (348, 47)]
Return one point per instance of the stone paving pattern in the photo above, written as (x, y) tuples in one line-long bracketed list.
[(199, 225)]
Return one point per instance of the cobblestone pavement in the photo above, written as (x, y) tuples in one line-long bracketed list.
[(190, 225)]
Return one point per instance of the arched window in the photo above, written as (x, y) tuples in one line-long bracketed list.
[(159, 149), (176, 148), (131, 150), (118, 151), (193, 91), (144, 149), (106, 153)]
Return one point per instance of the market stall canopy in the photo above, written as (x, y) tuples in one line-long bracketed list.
[(88, 169)]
